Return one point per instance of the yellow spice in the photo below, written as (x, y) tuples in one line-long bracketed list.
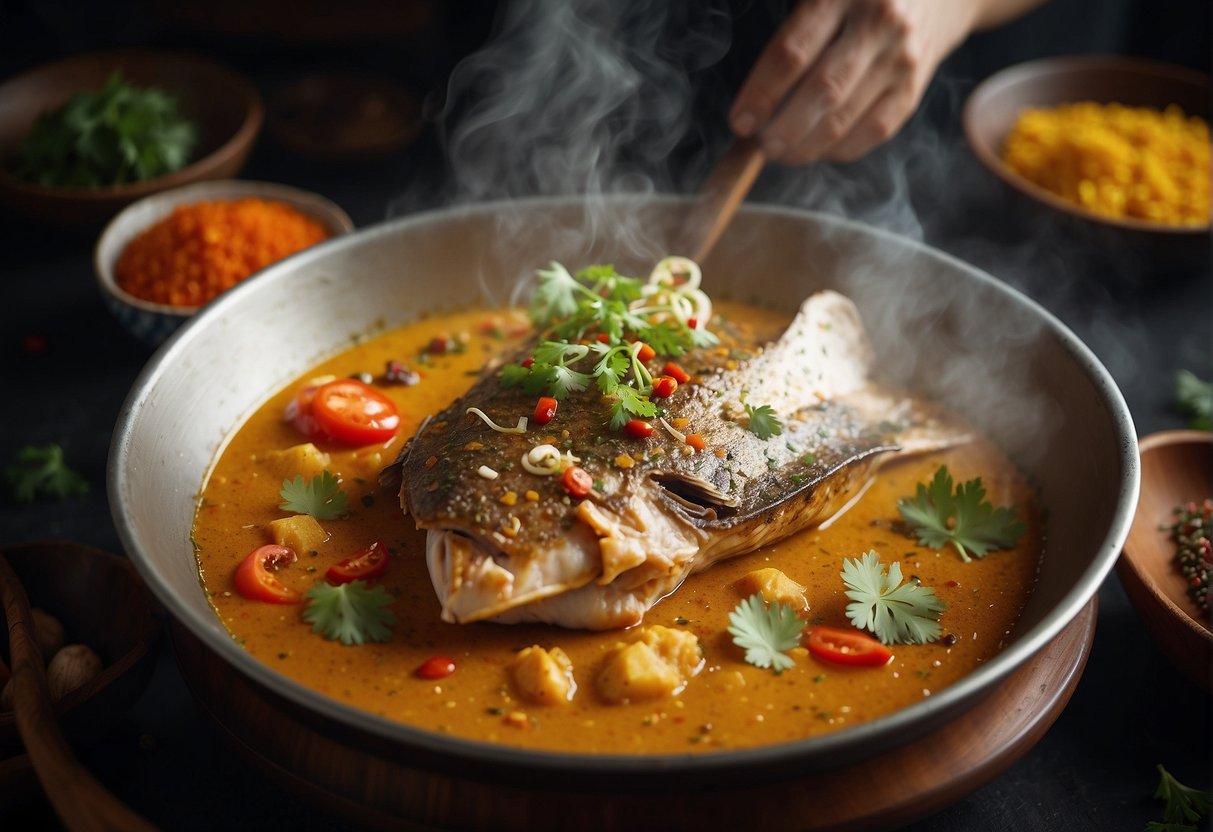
[(1117, 161)]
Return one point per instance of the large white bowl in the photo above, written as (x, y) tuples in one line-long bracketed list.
[(938, 323)]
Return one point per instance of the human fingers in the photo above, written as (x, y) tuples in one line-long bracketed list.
[(876, 126), (847, 80), (792, 51)]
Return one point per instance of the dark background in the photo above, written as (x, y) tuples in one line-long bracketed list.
[(1143, 317)]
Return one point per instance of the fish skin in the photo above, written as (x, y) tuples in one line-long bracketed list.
[(602, 562)]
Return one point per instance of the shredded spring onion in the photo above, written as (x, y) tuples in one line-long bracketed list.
[(487, 472), (520, 428), (681, 437)]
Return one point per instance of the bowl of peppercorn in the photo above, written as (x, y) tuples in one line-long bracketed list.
[(1168, 556), (166, 256)]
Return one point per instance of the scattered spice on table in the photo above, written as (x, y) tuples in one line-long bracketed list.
[(202, 249), (1194, 554)]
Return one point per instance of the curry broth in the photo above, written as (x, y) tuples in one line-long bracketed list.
[(730, 704)]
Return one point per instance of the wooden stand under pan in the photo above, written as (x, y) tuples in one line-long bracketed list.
[(372, 786)]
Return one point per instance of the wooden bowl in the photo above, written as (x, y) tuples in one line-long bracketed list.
[(225, 106), (1176, 467), (994, 106), (101, 602)]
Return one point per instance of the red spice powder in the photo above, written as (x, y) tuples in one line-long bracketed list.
[(200, 250)]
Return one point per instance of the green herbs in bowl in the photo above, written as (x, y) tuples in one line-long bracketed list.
[(119, 134)]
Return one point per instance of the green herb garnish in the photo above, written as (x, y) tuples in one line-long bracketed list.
[(1194, 399), (322, 497), (764, 631), (894, 612), (763, 422), (974, 527), (351, 613), (119, 134), (600, 301), (1185, 805), (42, 472)]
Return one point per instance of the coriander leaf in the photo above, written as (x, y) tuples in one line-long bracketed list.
[(629, 403), (974, 527), (105, 137), (350, 613), (1184, 803), (322, 497), (1194, 399), (42, 472), (765, 631), (513, 375), (763, 422), (555, 296), (562, 381), (895, 613)]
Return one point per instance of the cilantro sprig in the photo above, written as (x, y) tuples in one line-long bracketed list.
[(600, 301), (765, 631), (118, 134), (1194, 399), (963, 519), (1185, 805), (352, 613), (894, 612), (42, 472), (320, 497), (764, 423)]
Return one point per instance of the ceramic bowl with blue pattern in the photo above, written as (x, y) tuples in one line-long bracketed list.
[(150, 322)]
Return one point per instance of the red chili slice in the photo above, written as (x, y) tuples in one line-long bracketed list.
[(679, 374), (255, 579), (693, 323), (545, 410), (366, 565), (848, 647), (664, 387), (527, 362), (638, 429), (577, 482), (696, 441), (355, 413), (436, 667), (646, 353)]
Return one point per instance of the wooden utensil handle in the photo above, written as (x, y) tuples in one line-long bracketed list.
[(80, 801), (724, 190)]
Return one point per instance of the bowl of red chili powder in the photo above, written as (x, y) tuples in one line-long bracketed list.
[(166, 256)]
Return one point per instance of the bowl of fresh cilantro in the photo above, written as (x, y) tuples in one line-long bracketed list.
[(83, 137)]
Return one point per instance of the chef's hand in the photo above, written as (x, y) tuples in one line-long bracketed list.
[(841, 76)]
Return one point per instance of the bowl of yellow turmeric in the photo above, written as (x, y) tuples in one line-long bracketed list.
[(1119, 142), (166, 256)]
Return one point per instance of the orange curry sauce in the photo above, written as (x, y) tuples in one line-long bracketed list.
[(730, 704)]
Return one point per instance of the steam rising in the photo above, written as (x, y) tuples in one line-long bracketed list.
[(596, 99)]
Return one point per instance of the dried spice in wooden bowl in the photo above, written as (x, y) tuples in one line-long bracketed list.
[(199, 250)]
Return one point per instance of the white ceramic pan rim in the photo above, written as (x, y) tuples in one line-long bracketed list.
[(589, 770)]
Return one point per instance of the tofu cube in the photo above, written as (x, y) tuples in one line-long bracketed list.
[(774, 585), (634, 673), (659, 662), (543, 677), (300, 533), (305, 459)]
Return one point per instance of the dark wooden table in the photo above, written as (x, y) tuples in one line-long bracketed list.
[(1094, 770)]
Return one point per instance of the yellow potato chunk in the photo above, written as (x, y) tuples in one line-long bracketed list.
[(543, 677), (658, 663), (299, 532), (774, 585), (305, 459)]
